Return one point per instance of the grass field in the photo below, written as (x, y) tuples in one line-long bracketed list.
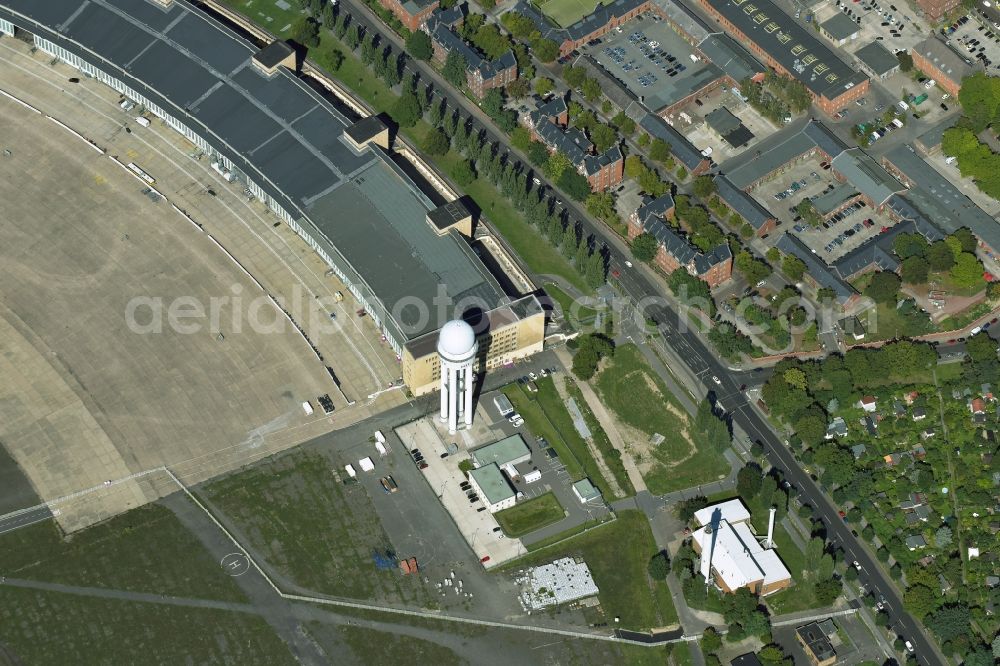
[(53, 628), (546, 416), (576, 315), (617, 555), (312, 527), (374, 648), (144, 550), (568, 12), (530, 515), (640, 399)]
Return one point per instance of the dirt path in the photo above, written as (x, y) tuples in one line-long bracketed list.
[(610, 427)]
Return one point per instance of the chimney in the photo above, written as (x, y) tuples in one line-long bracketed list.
[(769, 542)]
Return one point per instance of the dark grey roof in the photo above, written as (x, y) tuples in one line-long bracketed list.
[(797, 49), (950, 62), (748, 659), (739, 137), (840, 26), (362, 209), (365, 128), (571, 142), (823, 275), (905, 210), (877, 58), (273, 53), (474, 61), (594, 163), (866, 175), (939, 200), (651, 217), (834, 199), (680, 147), (553, 107), (932, 137), (722, 120), (728, 55), (448, 214), (797, 138), (878, 251), (816, 639), (450, 16), (744, 204)]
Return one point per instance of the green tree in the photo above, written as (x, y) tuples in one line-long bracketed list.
[(748, 481), (967, 271), (704, 187), (950, 621), (884, 287), (352, 37), (793, 267), (591, 90), (910, 245), (644, 247), (711, 640), (940, 257), (543, 86), (545, 50), (659, 566), (556, 164), (603, 137), (942, 537), (981, 347), (462, 173), (827, 591), (920, 600), (305, 31), (659, 150), (602, 205), (406, 110), (435, 142), (454, 70), (915, 270), (573, 184), (591, 348), (418, 45)]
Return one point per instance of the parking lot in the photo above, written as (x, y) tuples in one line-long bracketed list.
[(653, 61), (895, 25), (848, 228), (978, 42)]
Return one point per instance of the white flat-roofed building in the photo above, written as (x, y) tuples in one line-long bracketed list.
[(732, 553), (558, 582), (733, 511)]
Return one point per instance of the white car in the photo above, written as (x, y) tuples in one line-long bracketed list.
[(628, 264), (516, 421), (532, 376), (909, 646), (717, 380), (857, 565)]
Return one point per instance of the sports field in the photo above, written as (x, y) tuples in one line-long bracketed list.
[(568, 12)]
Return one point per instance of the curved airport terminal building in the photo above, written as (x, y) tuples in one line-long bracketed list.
[(389, 229)]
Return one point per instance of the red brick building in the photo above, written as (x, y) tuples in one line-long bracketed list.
[(935, 59), (935, 10), (411, 13), (674, 251), (482, 75), (793, 51)]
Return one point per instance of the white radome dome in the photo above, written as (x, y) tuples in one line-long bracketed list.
[(456, 339)]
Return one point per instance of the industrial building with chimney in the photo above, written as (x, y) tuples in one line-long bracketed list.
[(732, 555)]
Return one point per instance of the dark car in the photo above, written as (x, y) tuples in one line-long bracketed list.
[(944, 107)]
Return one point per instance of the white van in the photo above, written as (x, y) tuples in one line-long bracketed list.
[(142, 120), (307, 408), (127, 104), (950, 160)]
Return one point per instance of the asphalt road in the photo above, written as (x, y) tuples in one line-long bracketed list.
[(14, 521)]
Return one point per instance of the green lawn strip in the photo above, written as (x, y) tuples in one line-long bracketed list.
[(310, 526), (617, 555), (624, 385), (575, 313), (530, 515), (145, 550), (540, 426), (612, 456), (683, 655), (558, 415), (43, 627), (702, 467), (571, 532)]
